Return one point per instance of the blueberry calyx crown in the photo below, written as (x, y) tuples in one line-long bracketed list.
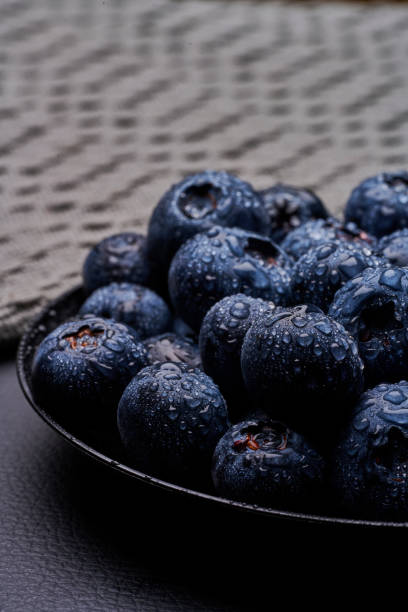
[(262, 436), (262, 250), (392, 457), (199, 201), (172, 348), (398, 181), (377, 320), (171, 352), (352, 233), (285, 213), (85, 336)]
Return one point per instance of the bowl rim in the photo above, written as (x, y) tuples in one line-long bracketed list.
[(152, 480)]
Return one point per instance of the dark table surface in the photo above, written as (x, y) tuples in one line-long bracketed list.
[(77, 536)]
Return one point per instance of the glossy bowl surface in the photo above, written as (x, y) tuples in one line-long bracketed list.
[(104, 445)]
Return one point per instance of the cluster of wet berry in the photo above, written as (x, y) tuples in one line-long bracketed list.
[(260, 310)]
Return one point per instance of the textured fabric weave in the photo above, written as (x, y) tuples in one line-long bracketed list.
[(105, 104)]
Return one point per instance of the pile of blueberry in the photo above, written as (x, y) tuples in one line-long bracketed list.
[(254, 338)]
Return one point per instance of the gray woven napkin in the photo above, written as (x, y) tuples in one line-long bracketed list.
[(105, 104)]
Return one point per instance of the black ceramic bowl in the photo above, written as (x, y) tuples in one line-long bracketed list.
[(104, 445)]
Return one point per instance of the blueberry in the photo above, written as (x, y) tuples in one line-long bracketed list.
[(172, 348), (221, 262), (170, 419), (83, 366), (261, 461), (221, 336), (118, 258), (181, 328), (394, 247), (370, 473), (137, 306), (314, 233), (379, 204), (373, 307), (289, 207), (302, 368), (320, 272), (196, 204)]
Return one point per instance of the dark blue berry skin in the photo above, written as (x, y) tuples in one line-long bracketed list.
[(370, 467), (197, 203), (320, 272), (314, 233), (137, 306), (395, 248), (261, 461), (171, 348), (302, 368), (83, 366), (379, 205), (170, 419), (373, 307), (118, 258), (181, 328), (289, 207), (221, 262), (221, 336)]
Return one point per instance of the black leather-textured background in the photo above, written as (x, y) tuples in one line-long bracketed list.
[(75, 536)]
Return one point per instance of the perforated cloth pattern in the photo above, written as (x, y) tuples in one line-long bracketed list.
[(105, 104)]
